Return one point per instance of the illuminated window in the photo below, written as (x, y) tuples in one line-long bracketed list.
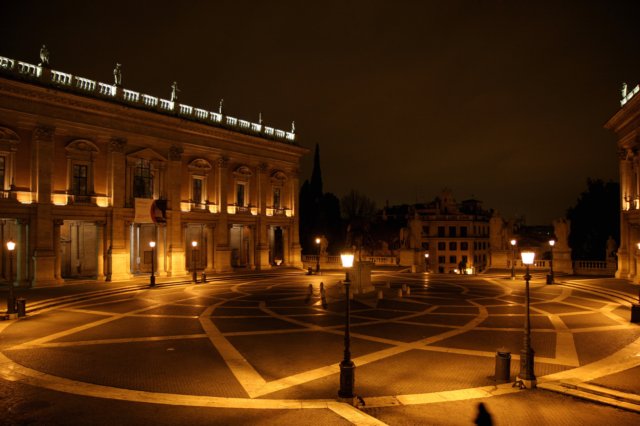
[(142, 179), (79, 182), (196, 189), (3, 162), (276, 198), (241, 189)]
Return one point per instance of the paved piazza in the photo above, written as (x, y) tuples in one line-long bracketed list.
[(256, 346)]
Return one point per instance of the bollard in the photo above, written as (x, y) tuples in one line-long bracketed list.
[(310, 271), (400, 292), (635, 313), (388, 284), (22, 307), (380, 294), (204, 277), (404, 288), (309, 294), (408, 291), (323, 298), (503, 366)]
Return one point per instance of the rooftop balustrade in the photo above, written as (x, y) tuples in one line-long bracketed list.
[(85, 86)]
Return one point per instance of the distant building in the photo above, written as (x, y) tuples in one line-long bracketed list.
[(454, 235), (626, 125), (90, 173)]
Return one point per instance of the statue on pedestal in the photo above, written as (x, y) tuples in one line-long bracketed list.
[(44, 56), (174, 91), (117, 75)]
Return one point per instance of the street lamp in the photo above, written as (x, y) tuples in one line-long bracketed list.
[(152, 279), (11, 299), (347, 367), (550, 277), (426, 262), (194, 244), (527, 354), (318, 259), (513, 259)]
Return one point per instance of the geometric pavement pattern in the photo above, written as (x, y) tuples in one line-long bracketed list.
[(261, 342)]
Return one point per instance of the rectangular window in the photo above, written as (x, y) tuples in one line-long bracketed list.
[(442, 245), (453, 259), (79, 182), (442, 259), (464, 246), (463, 231), (276, 198), (452, 231), (3, 162), (453, 245), (425, 246), (142, 179), (464, 259), (440, 231), (425, 230), (197, 190), (240, 195)]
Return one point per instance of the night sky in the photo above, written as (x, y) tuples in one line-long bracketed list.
[(503, 101)]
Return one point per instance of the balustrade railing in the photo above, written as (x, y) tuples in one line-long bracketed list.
[(88, 86)]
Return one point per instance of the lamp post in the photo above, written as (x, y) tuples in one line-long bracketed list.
[(194, 244), (513, 259), (527, 355), (318, 251), (152, 278), (550, 278), (11, 299), (426, 262), (347, 367)]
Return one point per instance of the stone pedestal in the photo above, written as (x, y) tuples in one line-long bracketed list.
[(262, 259), (361, 277), (562, 261), (222, 262), (500, 259), (177, 263), (44, 267), (120, 268)]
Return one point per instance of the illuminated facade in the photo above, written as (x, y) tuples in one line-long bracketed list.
[(90, 173), (456, 236), (626, 125)]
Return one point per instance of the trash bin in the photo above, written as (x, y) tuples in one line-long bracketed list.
[(22, 307), (549, 279), (503, 366)]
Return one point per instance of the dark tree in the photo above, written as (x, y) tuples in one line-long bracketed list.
[(319, 212), (594, 218), (359, 212)]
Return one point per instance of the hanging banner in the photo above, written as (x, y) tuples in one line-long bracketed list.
[(143, 209)]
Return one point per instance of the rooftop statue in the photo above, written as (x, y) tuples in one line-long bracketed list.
[(44, 56), (174, 91), (117, 75), (220, 106), (293, 127), (624, 90)]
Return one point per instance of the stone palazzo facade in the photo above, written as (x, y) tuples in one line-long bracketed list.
[(91, 173), (626, 125)]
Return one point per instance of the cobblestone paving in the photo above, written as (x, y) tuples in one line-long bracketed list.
[(263, 338)]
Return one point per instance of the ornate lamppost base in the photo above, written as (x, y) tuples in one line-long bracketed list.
[(526, 374), (347, 379)]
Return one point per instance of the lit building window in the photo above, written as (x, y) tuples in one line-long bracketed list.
[(142, 179), (79, 183)]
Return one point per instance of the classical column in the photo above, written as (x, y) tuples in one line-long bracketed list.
[(210, 244), (42, 168), (175, 236), (295, 254), (100, 229), (161, 250), (252, 247), (118, 257), (57, 248), (286, 248), (625, 252), (22, 266), (222, 259), (262, 244)]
